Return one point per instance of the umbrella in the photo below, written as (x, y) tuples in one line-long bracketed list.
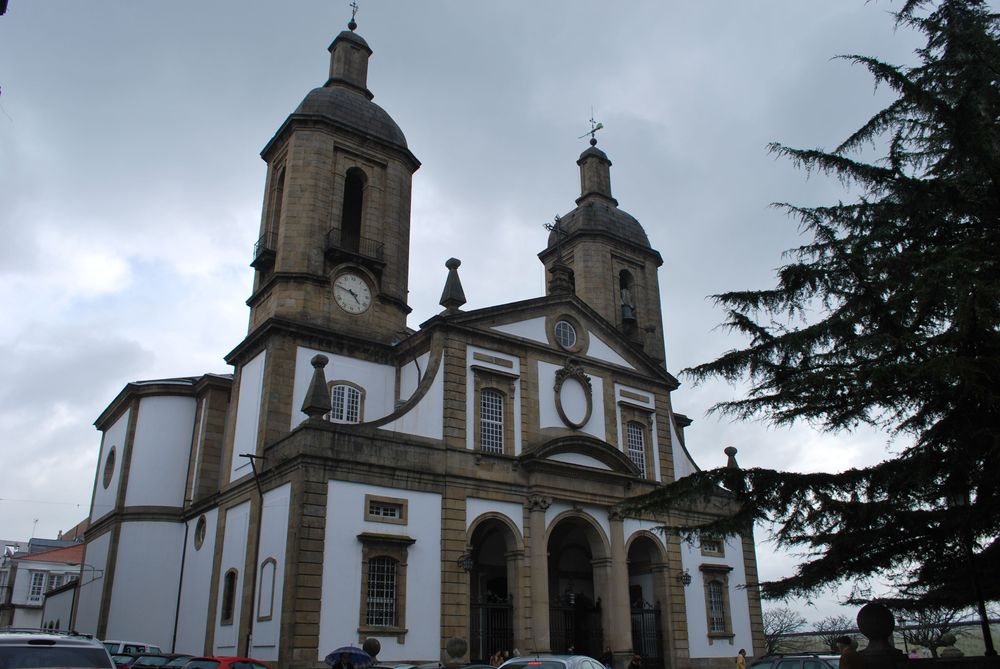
[(357, 657)]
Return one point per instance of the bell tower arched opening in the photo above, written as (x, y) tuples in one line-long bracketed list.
[(353, 208)]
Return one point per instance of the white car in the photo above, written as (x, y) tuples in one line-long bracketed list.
[(130, 647), (30, 650)]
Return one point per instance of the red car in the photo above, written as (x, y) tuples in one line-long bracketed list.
[(217, 662)]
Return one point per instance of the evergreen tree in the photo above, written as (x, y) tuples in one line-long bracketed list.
[(889, 316)]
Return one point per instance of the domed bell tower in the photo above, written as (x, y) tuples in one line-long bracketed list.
[(334, 241), (605, 254)]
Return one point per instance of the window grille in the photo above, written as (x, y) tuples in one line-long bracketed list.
[(711, 545), (636, 440), (345, 402), (381, 592), (565, 334), (716, 607), (491, 421)]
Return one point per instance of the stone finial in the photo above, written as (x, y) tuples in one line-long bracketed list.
[(731, 452), (560, 279), (876, 622), (453, 296), (317, 401)]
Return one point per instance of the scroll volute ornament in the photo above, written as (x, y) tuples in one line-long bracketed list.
[(573, 372)]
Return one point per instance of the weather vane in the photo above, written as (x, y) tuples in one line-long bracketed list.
[(354, 12), (594, 127)]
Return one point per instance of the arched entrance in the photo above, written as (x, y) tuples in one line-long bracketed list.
[(579, 573), (646, 580), (493, 581)]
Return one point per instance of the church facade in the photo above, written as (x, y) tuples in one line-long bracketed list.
[(356, 479)]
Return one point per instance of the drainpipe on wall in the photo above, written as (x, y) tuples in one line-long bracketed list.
[(248, 642), (180, 587)]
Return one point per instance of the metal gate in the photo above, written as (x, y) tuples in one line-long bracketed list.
[(647, 634), (491, 628), (576, 624)]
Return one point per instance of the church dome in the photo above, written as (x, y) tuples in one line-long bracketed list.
[(595, 215), (353, 110)]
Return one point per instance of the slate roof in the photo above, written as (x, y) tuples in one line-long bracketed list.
[(344, 106)]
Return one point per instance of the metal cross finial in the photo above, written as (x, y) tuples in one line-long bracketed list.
[(594, 127), (354, 12)]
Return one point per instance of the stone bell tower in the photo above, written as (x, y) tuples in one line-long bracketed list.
[(333, 249), (611, 265)]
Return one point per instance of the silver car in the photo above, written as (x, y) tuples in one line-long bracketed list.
[(552, 662), (40, 650)]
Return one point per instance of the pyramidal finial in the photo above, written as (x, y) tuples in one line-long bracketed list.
[(731, 452), (317, 401), (352, 25), (453, 296)]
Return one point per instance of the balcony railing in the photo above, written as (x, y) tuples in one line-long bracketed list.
[(264, 250), (339, 242)]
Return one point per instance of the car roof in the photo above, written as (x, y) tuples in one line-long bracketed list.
[(12, 638)]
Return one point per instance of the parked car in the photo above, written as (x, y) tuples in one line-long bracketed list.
[(149, 660), (24, 650), (130, 647), (225, 662), (552, 662), (123, 660), (796, 661), (178, 661)]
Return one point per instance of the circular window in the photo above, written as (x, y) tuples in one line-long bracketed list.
[(109, 468), (565, 334), (199, 532)]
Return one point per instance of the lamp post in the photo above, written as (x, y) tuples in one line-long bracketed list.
[(959, 500)]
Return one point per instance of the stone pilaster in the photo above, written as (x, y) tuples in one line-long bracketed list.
[(539, 556)]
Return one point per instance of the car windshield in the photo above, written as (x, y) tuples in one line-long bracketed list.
[(178, 661), (44, 657), (202, 664)]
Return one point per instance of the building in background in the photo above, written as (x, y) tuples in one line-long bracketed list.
[(31, 575), (355, 478)]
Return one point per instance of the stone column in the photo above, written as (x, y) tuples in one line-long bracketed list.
[(539, 567), (619, 605)]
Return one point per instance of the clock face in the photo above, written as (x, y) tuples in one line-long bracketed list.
[(352, 293)]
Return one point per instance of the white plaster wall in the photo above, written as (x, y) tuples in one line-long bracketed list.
[(475, 507), (533, 328), (234, 550), (273, 535), (472, 411), (579, 459), (58, 609), (548, 416), (379, 382), (600, 350), (683, 465), (650, 405), (247, 422), (427, 418), (597, 513), (104, 498), (739, 609), (27, 618), (632, 526), (147, 578), (196, 588), (341, 605), (410, 375), (161, 449), (88, 605)]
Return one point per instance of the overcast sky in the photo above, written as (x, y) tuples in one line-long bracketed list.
[(131, 182)]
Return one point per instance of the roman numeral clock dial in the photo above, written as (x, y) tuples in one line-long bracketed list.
[(352, 293)]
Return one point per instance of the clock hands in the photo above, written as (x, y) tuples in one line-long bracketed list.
[(353, 294)]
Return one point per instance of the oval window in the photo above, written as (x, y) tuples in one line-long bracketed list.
[(199, 532), (565, 334), (109, 468)]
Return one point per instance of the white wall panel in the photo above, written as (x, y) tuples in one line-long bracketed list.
[(147, 571), (341, 605), (533, 328), (548, 415), (92, 581), (475, 507), (161, 449), (57, 610), (600, 350), (267, 600), (247, 422), (196, 588), (234, 551), (104, 498), (699, 642), (379, 382), (427, 418)]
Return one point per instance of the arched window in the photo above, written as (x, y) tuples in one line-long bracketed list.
[(276, 198), (353, 208), (491, 421), (626, 286), (635, 438), (265, 602), (228, 597), (345, 403), (381, 600)]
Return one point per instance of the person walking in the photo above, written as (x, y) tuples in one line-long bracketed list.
[(741, 659), (849, 658)]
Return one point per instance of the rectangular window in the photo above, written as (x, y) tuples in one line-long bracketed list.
[(54, 581), (712, 546), (491, 421), (716, 608), (383, 510), (380, 509), (37, 586), (381, 592), (635, 437), (715, 579)]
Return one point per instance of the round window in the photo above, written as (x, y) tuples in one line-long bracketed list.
[(109, 468), (199, 532), (565, 334)]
